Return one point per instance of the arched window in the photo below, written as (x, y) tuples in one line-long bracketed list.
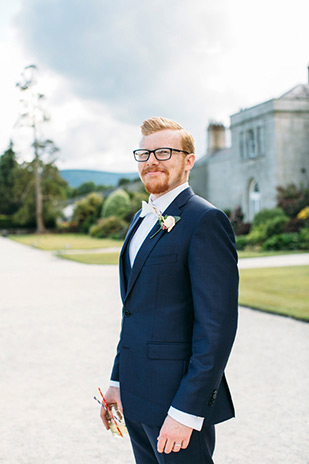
[(254, 199)]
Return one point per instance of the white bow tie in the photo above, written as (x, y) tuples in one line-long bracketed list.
[(147, 208)]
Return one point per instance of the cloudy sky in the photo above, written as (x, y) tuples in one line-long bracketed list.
[(105, 66)]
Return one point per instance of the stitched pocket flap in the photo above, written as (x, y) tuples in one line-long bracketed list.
[(159, 350)]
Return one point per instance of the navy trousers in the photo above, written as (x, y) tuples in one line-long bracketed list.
[(144, 443)]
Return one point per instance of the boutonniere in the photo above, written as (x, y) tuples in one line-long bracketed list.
[(166, 223)]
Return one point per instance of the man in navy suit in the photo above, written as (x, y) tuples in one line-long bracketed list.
[(179, 287)]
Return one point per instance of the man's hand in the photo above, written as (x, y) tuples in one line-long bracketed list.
[(174, 436), (112, 396)]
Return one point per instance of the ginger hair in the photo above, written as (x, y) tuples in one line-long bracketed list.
[(157, 123)]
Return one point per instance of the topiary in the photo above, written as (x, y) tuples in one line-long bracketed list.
[(304, 239), (117, 204), (276, 225), (282, 242), (112, 227), (256, 236), (267, 214), (241, 242)]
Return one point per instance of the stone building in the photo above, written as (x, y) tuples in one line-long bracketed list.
[(269, 148)]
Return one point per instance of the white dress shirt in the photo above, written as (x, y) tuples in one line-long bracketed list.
[(149, 220), (137, 240)]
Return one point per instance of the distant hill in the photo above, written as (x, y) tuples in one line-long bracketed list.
[(76, 177)]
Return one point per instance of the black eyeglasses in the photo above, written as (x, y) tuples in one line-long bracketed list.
[(161, 154)]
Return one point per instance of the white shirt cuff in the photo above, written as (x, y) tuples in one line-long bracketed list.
[(184, 418), (114, 383)]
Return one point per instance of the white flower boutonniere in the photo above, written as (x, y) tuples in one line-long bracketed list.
[(167, 223)]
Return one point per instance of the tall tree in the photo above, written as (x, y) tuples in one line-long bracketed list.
[(33, 116), (53, 191), (9, 168)]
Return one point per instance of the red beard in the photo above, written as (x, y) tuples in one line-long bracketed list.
[(155, 185)]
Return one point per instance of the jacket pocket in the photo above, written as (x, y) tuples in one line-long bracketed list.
[(161, 350)]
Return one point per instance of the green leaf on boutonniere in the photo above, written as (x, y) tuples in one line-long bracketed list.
[(167, 223)]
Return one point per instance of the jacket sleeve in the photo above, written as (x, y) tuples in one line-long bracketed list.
[(115, 369), (212, 262)]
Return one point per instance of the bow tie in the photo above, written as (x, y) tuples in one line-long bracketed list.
[(147, 208)]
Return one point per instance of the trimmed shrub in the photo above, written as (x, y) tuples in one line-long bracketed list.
[(256, 236), (112, 227), (282, 242), (266, 215), (117, 204), (85, 226), (86, 211), (275, 226), (241, 242), (304, 239), (266, 223)]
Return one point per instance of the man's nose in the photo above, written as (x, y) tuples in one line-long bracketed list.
[(152, 159)]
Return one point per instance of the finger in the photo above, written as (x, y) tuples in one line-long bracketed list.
[(119, 404), (177, 447), (186, 441), (161, 444), (104, 418), (169, 445)]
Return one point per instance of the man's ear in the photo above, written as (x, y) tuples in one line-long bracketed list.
[(190, 160)]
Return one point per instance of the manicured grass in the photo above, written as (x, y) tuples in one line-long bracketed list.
[(85, 242), (283, 290), (259, 254), (93, 258), (65, 241)]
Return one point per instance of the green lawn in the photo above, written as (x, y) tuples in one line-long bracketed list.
[(283, 290), (93, 258), (85, 242), (259, 254), (65, 241)]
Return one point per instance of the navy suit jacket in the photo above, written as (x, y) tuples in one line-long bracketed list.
[(179, 316)]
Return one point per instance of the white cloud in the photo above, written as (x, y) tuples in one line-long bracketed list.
[(107, 66)]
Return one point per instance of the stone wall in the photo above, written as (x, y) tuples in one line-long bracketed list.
[(270, 147)]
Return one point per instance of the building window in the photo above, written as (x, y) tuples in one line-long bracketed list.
[(242, 145), (254, 199), (259, 141), (250, 144)]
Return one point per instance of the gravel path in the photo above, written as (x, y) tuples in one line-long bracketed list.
[(59, 324)]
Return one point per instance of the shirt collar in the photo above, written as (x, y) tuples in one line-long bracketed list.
[(165, 200)]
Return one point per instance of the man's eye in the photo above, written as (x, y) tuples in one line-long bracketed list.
[(163, 152)]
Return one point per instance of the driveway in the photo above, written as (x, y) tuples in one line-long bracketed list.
[(301, 259), (59, 323)]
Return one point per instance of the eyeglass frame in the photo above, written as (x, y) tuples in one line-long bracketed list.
[(154, 152)]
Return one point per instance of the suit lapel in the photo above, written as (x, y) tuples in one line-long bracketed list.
[(134, 225), (174, 209)]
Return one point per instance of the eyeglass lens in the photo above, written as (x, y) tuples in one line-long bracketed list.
[(160, 153)]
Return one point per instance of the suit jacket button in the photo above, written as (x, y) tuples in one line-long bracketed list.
[(127, 313)]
